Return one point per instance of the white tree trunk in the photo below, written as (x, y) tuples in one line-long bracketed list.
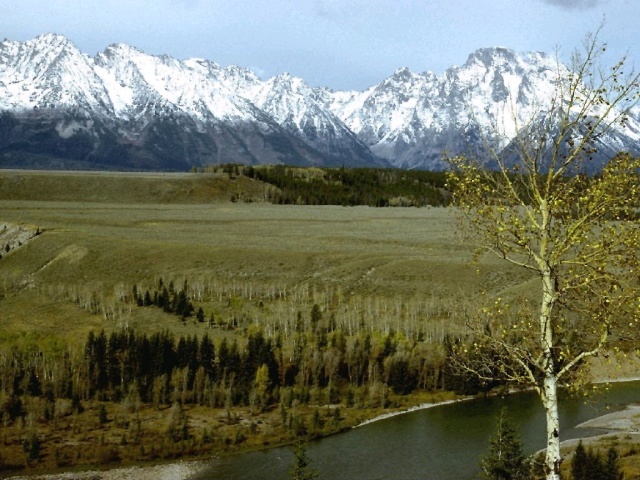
[(549, 391), (550, 402)]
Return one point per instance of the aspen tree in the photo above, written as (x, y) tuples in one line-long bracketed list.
[(538, 209)]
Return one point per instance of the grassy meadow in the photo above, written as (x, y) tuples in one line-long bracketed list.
[(103, 233)]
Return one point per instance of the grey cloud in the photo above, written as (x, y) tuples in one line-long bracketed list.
[(574, 4)]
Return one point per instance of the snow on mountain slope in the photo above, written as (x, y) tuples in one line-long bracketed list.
[(161, 113), (136, 79), (132, 110), (48, 71), (294, 105), (410, 118)]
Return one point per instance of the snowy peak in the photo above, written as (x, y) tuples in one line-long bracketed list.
[(410, 119), (299, 109), (127, 108), (124, 108), (491, 57), (48, 72), (383, 110), (284, 96), (165, 84)]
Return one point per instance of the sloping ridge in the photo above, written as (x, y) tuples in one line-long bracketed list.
[(128, 188)]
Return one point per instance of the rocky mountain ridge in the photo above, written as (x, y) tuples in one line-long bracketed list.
[(124, 109)]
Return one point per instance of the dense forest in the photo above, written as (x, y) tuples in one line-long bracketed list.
[(308, 369), (374, 187), (315, 362)]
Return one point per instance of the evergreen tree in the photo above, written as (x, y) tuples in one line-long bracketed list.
[(588, 465), (595, 467), (300, 469), (134, 292), (12, 408), (96, 352), (505, 460), (579, 463), (401, 377), (32, 447), (207, 357), (33, 386), (182, 353), (164, 301), (612, 466), (102, 415)]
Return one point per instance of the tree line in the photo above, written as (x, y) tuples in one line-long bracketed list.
[(322, 366), (374, 187)]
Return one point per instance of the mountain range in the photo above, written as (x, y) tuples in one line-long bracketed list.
[(127, 110)]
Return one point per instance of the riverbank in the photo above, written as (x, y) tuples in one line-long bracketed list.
[(600, 380), (350, 418), (170, 471), (422, 406), (620, 430), (614, 369), (318, 421)]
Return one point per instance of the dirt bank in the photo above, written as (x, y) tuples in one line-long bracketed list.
[(170, 471)]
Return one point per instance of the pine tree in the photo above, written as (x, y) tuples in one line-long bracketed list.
[(32, 447), (505, 460), (595, 468), (300, 469), (588, 465), (207, 357), (579, 463), (612, 466)]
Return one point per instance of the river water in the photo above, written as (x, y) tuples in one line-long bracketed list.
[(439, 443)]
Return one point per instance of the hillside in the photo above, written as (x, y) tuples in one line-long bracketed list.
[(128, 188), (277, 184), (256, 271)]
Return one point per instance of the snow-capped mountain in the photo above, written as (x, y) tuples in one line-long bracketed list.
[(411, 119), (122, 108), (296, 107), (125, 109)]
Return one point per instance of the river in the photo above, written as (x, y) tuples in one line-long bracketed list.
[(439, 443)]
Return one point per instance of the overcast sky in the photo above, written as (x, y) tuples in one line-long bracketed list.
[(342, 44)]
